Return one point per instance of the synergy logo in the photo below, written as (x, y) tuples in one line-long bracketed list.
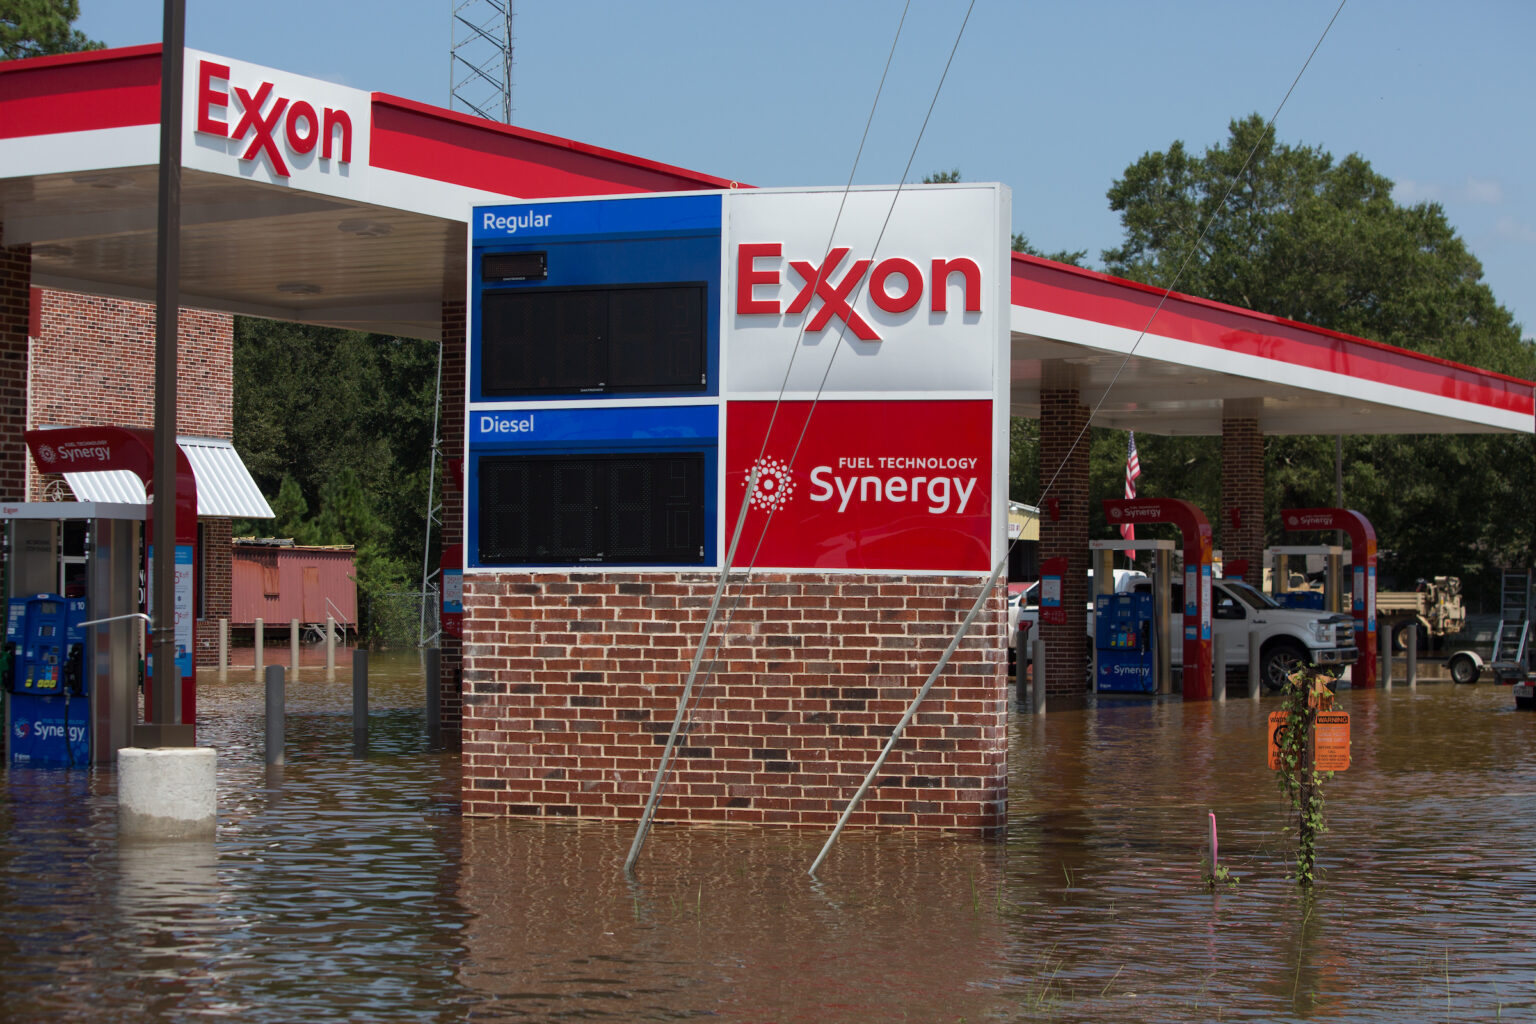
[(302, 127), (821, 282), (900, 483), (74, 451), (774, 487)]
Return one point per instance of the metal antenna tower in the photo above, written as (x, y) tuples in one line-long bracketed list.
[(480, 59)]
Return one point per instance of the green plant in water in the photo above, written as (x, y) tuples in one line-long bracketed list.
[(1219, 877), (1304, 695)]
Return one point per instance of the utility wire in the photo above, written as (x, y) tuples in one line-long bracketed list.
[(683, 709)]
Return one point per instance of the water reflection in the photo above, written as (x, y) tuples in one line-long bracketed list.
[(350, 889)]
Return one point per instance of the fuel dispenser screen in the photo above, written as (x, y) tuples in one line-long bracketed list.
[(1123, 638)]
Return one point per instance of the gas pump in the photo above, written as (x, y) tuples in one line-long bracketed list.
[(1132, 622), (72, 635), (49, 725), (1280, 588)]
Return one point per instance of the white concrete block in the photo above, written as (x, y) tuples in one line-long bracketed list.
[(169, 792)]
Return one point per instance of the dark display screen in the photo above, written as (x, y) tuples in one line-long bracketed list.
[(586, 340), (598, 509)]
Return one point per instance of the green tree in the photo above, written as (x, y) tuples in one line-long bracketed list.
[(1302, 235), (35, 28)]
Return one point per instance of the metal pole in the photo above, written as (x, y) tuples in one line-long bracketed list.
[(693, 671), (161, 709), (1038, 671), (261, 644), (275, 701), (223, 648), (917, 702), (1384, 642), (359, 702), (1255, 683), (293, 646), (1219, 672), (434, 697), (330, 647), (1413, 654)]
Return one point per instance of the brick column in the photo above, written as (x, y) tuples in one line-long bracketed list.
[(1240, 532), (15, 310), (451, 430), (1064, 457)]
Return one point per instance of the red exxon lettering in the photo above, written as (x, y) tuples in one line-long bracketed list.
[(301, 129)]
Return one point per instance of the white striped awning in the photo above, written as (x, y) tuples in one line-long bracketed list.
[(224, 486)]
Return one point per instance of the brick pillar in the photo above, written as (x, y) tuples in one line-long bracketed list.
[(1064, 457), (15, 315), (1240, 533), (451, 429)]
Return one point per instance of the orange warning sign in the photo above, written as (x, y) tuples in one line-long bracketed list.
[(1331, 741)]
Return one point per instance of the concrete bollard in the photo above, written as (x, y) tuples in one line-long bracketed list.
[(359, 702), (167, 792), (1384, 658), (434, 697), (275, 713), (293, 646), (1412, 671), (330, 648), (223, 648), (1219, 668), (1037, 670), (261, 640), (1255, 664)]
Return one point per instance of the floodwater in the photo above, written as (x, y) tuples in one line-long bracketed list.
[(346, 889)]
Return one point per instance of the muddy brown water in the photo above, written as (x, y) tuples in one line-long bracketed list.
[(345, 889)]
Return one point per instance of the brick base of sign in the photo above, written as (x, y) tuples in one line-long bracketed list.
[(571, 683)]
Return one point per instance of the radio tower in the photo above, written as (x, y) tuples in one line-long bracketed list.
[(480, 59)]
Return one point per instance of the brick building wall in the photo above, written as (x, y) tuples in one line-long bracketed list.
[(93, 363), (1240, 531), (571, 684), (451, 428), (15, 310), (1064, 534)]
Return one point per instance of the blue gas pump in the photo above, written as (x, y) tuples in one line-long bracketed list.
[(47, 647), (1122, 625)]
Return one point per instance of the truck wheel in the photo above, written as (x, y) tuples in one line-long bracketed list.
[(1463, 668), (1400, 638), (1279, 662)]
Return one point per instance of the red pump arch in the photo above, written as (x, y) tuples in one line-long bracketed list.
[(92, 449), (1196, 531), (1362, 539)]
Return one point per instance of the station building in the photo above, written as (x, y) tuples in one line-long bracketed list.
[(311, 202)]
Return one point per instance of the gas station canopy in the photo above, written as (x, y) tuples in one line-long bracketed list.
[(311, 202)]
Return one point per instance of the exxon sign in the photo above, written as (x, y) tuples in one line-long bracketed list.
[(247, 119)]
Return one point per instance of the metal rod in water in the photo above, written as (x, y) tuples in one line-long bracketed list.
[(1219, 668), (1255, 683), (1412, 672), (1038, 669), (693, 671), (1384, 650), (261, 643), (275, 712), (359, 702), (293, 646), (434, 697), (330, 648), (890, 744), (223, 648)]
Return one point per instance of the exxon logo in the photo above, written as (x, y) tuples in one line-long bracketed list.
[(266, 118), (895, 285)]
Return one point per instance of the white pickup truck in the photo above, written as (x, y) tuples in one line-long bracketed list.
[(1288, 637)]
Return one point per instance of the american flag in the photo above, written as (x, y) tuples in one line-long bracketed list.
[(1132, 471)]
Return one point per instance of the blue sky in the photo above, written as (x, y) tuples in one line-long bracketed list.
[(1053, 99)]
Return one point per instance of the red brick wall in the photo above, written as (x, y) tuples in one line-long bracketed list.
[(572, 681), (93, 363), (1242, 490), (15, 282), (1064, 466), (451, 429)]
